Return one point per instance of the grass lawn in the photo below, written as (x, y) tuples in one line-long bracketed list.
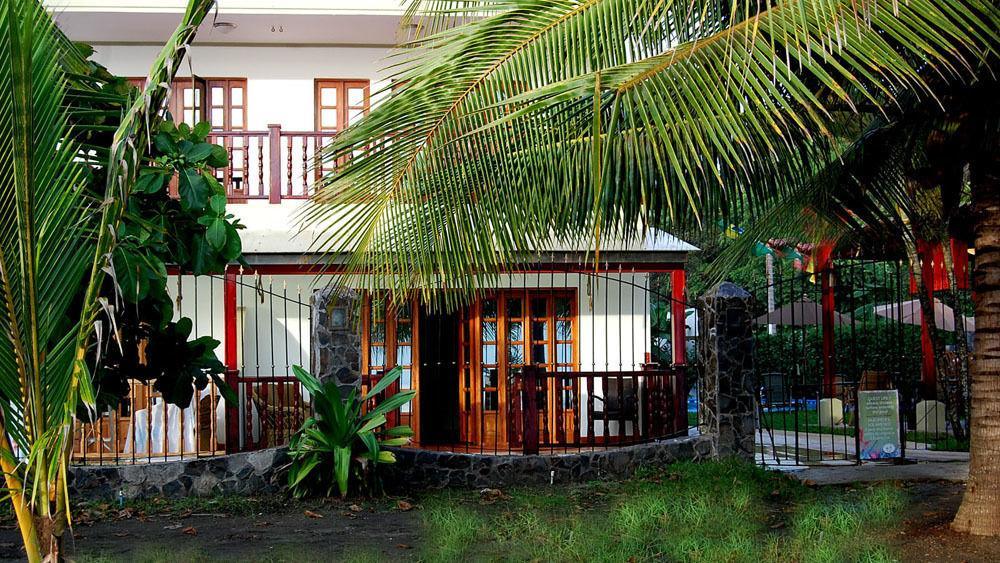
[(691, 512), (712, 511)]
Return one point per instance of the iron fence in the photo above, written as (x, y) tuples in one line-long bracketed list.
[(610, 383), (809, 372)]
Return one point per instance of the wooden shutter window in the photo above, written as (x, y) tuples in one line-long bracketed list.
[(339, 103)]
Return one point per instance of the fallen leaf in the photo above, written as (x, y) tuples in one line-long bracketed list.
[(311, 514), (121, 534), (489, 496), (354, 508), (190, 530), (404, 546), (403, 505)]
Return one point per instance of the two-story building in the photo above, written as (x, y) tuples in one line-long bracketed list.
[(277, 80)]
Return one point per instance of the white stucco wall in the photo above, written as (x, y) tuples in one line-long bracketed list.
[(279, 78), (274, 330), (613, 332)]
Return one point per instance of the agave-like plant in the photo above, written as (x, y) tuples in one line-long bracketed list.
[(346, 433), (54, 240)]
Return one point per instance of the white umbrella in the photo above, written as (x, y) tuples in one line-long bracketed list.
[(909, 312), (804, 312)]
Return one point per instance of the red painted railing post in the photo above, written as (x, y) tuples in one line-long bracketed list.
[(680, 399), (231, 359), (678, 310), (274, 149), (928, 366), (824, 269), (530, 410)]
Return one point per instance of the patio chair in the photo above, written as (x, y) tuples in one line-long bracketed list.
[(281, 414), (617, 404)]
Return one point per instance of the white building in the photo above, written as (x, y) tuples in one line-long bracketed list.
[(278, 79)]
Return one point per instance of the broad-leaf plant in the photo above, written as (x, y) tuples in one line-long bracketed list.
[(346, 436)]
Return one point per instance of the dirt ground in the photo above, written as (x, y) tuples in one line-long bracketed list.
[(332, 530), (317, 531), (926, 536)]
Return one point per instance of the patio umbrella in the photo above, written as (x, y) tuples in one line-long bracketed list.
[(908, 312), (804, 312)]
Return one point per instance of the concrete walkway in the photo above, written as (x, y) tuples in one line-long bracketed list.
[(826, 459), (812, 447), (956, 471)]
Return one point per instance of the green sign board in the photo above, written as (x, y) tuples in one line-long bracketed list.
[(878, 421)]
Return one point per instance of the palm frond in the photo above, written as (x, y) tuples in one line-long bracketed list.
[(545, 122), (56, 238)]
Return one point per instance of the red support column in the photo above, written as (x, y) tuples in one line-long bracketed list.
[(824, 269), (230, 357), (928, 369), (678, 306)]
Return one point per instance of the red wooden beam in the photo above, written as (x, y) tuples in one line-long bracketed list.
[(231, 360), (616, 268), (678, 306)]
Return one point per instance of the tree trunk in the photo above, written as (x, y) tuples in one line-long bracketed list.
[(980, 510)]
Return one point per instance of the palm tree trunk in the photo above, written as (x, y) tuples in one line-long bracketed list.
[(980, 510)]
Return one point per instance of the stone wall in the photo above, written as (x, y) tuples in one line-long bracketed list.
[(263, 471), (727, 393), (423, 469), (336, 336)]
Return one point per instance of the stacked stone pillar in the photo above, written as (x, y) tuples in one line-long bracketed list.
[(727, 387), (336, 337)]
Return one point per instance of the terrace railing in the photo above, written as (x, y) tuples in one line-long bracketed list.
[(272, 165)]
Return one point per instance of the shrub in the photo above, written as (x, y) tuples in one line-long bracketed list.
[(342, 439)]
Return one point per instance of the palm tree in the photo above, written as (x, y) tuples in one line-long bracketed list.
[(515, 122), (56, 239)]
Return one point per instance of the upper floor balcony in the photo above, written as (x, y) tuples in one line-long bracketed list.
[(272, 165)]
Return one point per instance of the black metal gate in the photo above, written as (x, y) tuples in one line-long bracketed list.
[(810, 369)]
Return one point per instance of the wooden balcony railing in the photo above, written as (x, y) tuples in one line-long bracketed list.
[(272, 165)]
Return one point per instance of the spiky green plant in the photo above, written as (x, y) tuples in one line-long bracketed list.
[(347, 434)]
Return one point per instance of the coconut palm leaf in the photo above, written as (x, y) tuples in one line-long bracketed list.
[(542, 120), (55, 239)]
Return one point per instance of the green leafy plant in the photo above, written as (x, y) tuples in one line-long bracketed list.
[(193, 232), (343, 438), (68, 167)]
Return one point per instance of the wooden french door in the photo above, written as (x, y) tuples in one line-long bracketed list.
[(226, 110), (389, 339), (338, 103), (511, 329), (188, 100), (467, 427)]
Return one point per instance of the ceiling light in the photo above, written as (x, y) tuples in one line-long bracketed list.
[(224, 27)]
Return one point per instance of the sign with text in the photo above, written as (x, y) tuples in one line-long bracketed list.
[(878, 422)]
